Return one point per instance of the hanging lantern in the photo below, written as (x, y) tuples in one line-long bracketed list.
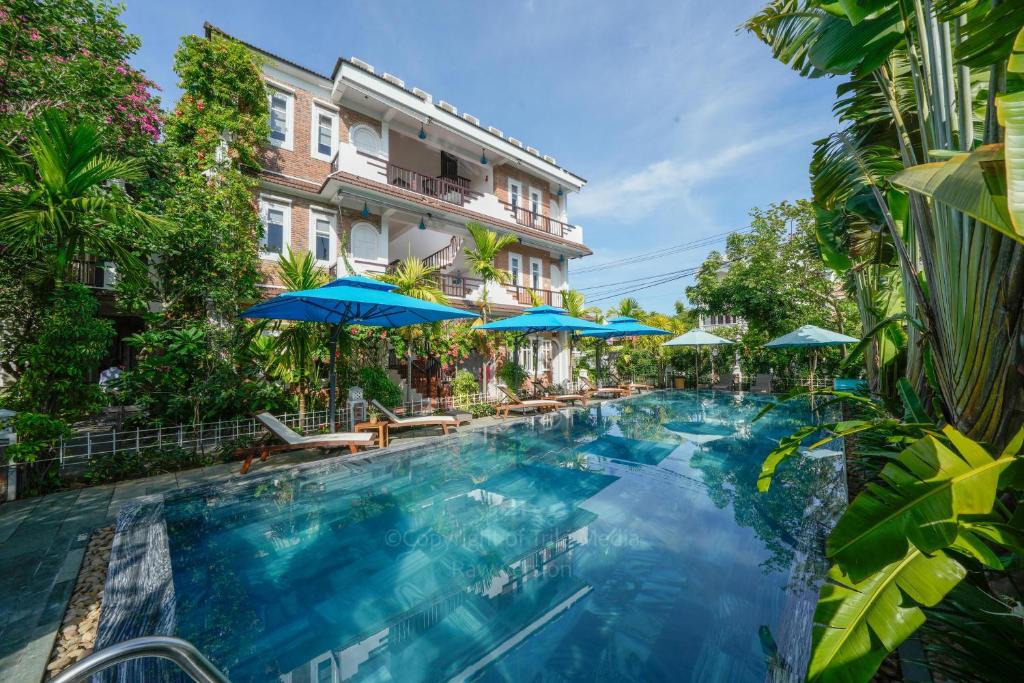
[(483, 156), (423, 224), (561, 258), (366, 210), (560, 192), (423, 133)]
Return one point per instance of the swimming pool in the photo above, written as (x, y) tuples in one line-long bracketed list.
[(622, 541)]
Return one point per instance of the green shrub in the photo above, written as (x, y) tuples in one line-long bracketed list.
[(464, 385), (68, 347), (38, 438), (512, 375), (377, 385), (147, 462), (480, 409)]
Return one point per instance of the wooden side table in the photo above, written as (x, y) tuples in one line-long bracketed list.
[(381, 427)]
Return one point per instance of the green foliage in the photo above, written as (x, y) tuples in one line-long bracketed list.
[(377, 386), (57, 208), (210, 259), (38, 436), (464, 385), (58, 364), (481, 258), (189, 372), (480, 409), (74, 55), (512, 375), (110, 467)]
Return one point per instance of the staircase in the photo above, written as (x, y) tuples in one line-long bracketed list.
[(399, 379), (445, 256)]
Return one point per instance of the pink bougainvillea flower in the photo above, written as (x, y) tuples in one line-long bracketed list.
[(34, 35)]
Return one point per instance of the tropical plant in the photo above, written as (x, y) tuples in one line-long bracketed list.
[(464, 385), (482, 259), (210, 259), (512, 375), (377, 386), (574, 304), (58, 209), (414, 278), (58, 364), (297, 348)]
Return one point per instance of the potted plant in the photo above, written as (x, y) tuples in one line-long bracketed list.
[(374, 415)]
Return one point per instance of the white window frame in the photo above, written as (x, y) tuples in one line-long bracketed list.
[(540, 273), (316, 212), (289, 133), (351, 242), (540, 201), (380, 139), (319, 110), (519, 192), (268, 202), (314, 664), (517, 277)]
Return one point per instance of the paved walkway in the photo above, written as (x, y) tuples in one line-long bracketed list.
[(43, 539)]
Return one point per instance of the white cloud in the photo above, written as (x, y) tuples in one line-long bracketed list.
[(669, 180)]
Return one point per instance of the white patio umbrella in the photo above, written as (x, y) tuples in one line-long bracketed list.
[(698, 337)]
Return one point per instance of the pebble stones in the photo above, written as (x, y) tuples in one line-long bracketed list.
[(77, 634)]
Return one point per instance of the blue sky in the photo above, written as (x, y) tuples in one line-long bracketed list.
[(680, 123)]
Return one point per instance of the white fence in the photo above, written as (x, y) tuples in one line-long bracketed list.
[(79, 449)]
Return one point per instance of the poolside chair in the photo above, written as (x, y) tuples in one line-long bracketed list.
[(605, 391), (762, 384), (549, 392), (516, 403), (395, 422), (724, 383), (294, 441)]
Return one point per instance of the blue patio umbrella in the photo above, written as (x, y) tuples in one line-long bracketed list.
[(698, 337), (622, 327), (352, 300), (812, 337), (539, 319)]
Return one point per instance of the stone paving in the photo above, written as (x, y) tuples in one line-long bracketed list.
[(43, 541)]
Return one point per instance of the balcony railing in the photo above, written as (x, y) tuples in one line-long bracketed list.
[(445, 189), (537, 221), (525, 296), (90, 272)]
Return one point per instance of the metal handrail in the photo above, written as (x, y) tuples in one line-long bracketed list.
[(181, 652)]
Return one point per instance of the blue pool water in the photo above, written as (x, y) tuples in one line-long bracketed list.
[(623, 541)]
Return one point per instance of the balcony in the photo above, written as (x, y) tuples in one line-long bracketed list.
[(92, 273), (460, 287), (445, 189), (531, 219), (546, 297)]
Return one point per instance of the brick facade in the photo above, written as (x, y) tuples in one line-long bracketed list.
[(526, 181)]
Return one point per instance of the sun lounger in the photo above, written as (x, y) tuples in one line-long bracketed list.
[(762, 384), (442, 421), (516, 403), (294, 441), (606, 391), (552, 394), (724, 383)]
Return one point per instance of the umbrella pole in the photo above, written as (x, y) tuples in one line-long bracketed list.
[(332, 400)]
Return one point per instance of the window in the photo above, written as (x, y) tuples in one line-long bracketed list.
[(515, 191), (281, 108), (535, 201), (276, 227), (364, 242), (365, 139), (325, 133), (515, 266), (325, 671), (322, 239), (535, 273)]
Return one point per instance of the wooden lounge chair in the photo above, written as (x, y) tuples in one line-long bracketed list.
[(294, 441), (606, 391), (762, 384), (551, 393), (632, 386), (516, 403), (395, 422)]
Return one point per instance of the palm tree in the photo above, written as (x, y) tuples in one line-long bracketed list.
[(293, 356), (414, 278), (481, 259), (628, 308), (574, 304), (57, 208)]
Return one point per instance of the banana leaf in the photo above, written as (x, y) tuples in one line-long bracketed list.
[(919, 501), (974, 184), (852, 617), (1010, 111)]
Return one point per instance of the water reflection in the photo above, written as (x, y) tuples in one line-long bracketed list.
[(608, 542)]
